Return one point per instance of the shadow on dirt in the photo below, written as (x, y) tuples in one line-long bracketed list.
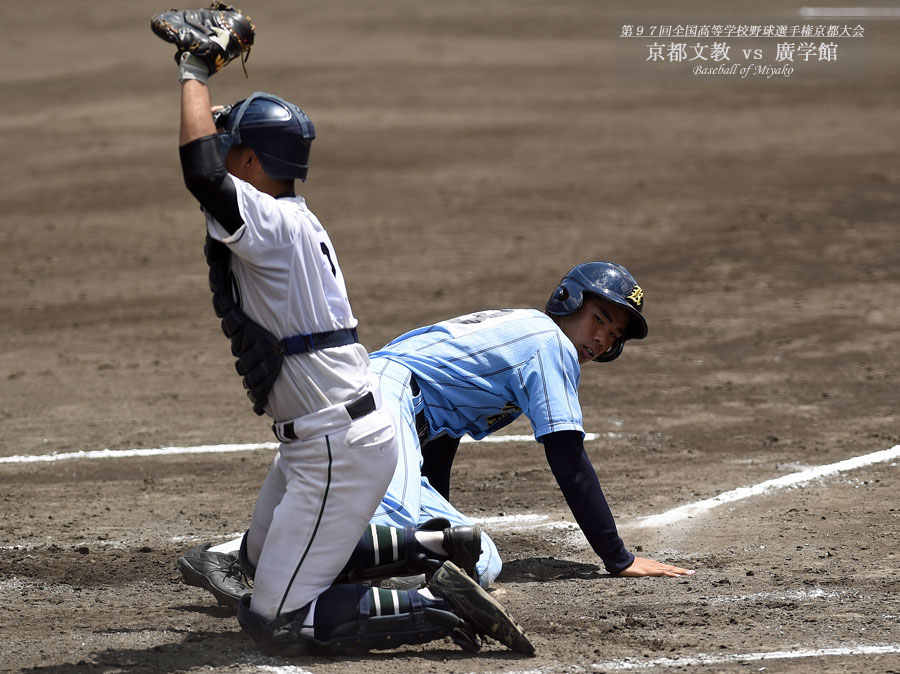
[(197, 649), (215, 650), (533, 569), (212, 610)]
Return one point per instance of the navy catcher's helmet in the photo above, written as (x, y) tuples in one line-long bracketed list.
[(609, 281), (278, 132)]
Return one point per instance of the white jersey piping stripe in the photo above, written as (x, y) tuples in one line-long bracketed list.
[(376, 599), (374, 533)]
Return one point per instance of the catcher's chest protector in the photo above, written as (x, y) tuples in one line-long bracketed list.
[(260, 354), (259, 359)]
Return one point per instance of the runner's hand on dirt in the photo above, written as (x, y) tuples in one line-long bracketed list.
[(650, 567)]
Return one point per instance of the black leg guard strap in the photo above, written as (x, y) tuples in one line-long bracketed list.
[(246, 565), (276, 637)]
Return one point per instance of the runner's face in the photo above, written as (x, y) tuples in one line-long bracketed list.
[(595, 327)]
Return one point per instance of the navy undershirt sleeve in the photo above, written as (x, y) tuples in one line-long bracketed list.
[(579, 484), (207, 179), (437, 460)]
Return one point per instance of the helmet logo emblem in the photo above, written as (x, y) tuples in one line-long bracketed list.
[(636, 296)]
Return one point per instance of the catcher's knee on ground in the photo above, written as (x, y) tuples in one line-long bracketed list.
[(356, 619)]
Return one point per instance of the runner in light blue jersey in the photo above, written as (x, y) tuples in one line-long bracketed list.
[(475, 374), (478, 372)]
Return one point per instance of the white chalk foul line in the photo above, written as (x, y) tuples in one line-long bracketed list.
[(804, 476), (687, 661), (287, 669), (703, 659), (662, 519), (125, 453), (211, 449)]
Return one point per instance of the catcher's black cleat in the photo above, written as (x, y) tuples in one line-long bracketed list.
[(484, 614), (218, 572)]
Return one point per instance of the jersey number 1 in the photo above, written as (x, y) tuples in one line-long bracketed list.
[(328, 255)]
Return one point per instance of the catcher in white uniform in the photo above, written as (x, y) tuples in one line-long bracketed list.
[(279, 290)]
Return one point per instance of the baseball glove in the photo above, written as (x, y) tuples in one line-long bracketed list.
[(216, 35)]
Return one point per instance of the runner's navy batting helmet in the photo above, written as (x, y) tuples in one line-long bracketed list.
[(609, 281), (278, 132)]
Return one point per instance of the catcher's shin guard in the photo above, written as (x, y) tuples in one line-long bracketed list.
[(352, 619), (385, 551)]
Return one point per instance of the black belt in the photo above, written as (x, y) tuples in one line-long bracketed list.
[(356, 409), (317, 340), (422, 429)]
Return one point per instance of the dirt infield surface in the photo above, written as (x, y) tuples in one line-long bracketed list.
[(468, 154)]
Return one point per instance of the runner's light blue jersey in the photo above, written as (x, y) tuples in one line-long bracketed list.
[(479, 372)]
